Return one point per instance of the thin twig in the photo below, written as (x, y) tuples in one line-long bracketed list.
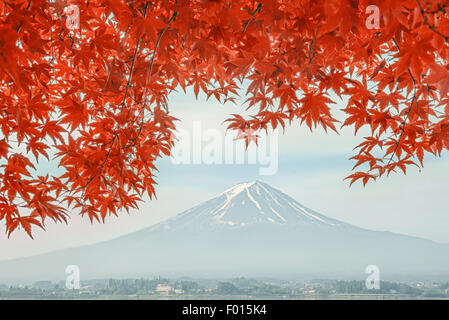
[(431, 27), (259, 6)]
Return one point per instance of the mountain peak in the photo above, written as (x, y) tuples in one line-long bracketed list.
[(246, 204), (240, 187)]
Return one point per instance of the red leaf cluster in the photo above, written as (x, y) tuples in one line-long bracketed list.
[(98, 95)]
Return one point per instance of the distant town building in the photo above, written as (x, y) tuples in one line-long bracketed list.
[(308, 291), (161, 288)]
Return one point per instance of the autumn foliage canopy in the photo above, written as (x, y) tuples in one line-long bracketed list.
[(86, 83)]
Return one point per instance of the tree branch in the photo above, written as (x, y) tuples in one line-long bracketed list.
[(431, 27)]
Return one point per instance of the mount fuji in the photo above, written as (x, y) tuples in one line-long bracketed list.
[(244, 205), (251, 229)]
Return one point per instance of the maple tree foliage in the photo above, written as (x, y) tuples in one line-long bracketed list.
[(95, 98)]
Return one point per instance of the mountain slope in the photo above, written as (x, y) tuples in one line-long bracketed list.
[(246, 204), (250, 229)]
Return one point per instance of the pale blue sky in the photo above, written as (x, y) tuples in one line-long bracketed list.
[(311, 170)]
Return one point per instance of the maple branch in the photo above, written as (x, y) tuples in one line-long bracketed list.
[(407, 114), (150, 66), (159, 40), (431, 27), (123, 104), (133, 62), (131, 71), (20, 25), (102, 165), (310, 51), (402, 129), (259, 7)]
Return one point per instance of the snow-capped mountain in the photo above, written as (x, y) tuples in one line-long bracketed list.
[(247, 204), (250, 229)]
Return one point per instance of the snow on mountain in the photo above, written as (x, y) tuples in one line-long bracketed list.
[(247, 204)]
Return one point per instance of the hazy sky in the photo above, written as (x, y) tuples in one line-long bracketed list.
[(311, 169)]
